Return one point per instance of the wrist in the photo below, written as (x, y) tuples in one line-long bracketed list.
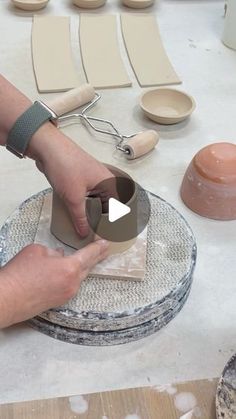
[(49, 146), (12, 104), (7, 301), (42, 141)]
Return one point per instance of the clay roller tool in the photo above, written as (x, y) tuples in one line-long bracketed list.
[(133, 145)]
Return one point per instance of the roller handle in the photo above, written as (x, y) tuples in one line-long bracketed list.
[(72, 99), (141, 144)]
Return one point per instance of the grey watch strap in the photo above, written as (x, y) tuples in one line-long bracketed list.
[(26, 125)]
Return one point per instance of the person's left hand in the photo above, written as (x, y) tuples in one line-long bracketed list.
[(71, 171)]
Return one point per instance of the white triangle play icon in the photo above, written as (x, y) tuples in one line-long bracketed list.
[(116, 210)]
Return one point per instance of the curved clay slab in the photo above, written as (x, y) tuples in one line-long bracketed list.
[(129, 264), (146, 52), (62, 226), (100, 51), (63, 229), (30, 5), (89, 4), (52, 55)]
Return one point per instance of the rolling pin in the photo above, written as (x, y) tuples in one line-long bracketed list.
[(135, 146)]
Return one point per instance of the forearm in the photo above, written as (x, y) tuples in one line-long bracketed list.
[(70, 170), (44, 142), (8, 297)]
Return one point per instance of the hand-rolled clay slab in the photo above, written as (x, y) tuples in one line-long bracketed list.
[(101, 56), (146, 52), (52, 56), (30, 5), (63, 228), (89, 4)]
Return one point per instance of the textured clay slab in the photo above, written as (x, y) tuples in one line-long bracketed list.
[(52, 55), (100, 52), (146, 52)]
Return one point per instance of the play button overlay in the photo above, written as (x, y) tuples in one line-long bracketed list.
[(124, 209), (116, 210)]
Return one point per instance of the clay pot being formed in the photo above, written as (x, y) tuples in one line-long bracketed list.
[(63, 229), (209, 184)]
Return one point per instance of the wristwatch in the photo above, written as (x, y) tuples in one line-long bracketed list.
[(26, 125)]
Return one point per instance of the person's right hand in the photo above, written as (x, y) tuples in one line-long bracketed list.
[(39, 278)]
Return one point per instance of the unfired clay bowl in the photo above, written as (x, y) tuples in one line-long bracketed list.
[(89, 4), (209, 184), (137, 4), (167, 106), (30, 5), (63, 229)]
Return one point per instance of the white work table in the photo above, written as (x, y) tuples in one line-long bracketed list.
[(199, 341)]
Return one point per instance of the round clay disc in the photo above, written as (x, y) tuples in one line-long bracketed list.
[(112, 311)]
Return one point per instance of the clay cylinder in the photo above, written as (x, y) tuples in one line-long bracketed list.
[(209, 184), (141, 144), (63, 229)]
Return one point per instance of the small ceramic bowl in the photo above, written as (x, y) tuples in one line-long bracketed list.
[(167, 106), (209, 184), (137, 4), (30, 5), (63, 229), (89, 4)]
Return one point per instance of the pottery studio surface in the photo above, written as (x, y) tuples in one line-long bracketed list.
[(47, 367)]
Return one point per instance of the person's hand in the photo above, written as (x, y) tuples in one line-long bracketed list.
[(71, 171), (39, 278)]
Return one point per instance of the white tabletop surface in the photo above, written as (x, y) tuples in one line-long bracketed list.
[(199, 341)]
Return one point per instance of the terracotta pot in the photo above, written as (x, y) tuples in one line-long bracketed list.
[(209, 184), (63, 228)]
